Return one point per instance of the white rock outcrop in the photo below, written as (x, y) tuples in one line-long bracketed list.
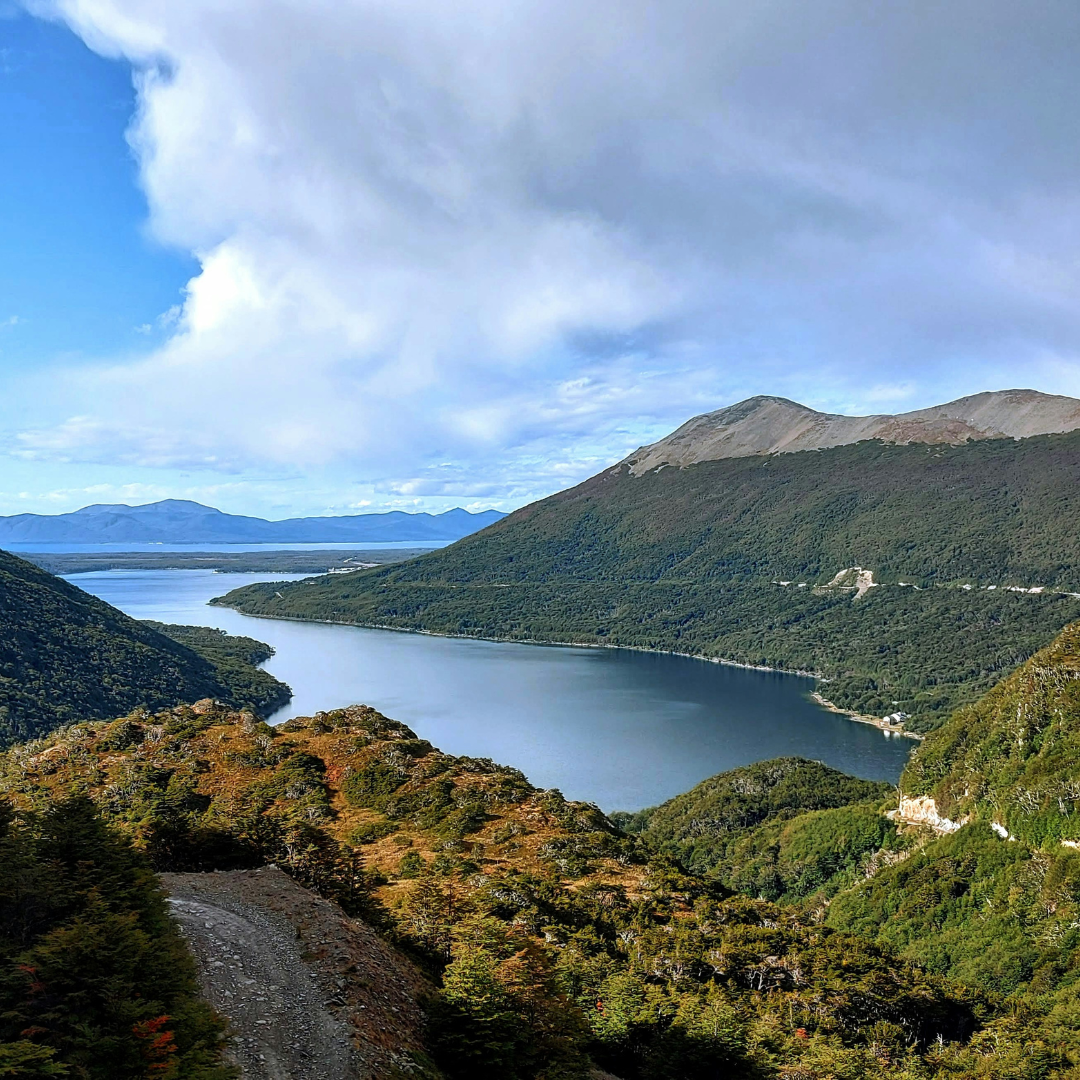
[(922, 810)]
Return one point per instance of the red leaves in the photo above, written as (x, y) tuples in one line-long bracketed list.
[(160, 1046)]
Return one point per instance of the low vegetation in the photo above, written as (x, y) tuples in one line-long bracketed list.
[(709, 560), (555, 940), (225, 562)]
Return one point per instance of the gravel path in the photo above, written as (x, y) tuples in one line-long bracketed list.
[(308, 993)]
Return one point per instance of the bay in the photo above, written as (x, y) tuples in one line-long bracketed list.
[(619, 728)]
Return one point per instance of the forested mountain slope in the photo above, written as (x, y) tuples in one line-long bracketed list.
[(990, 894), (702, 827), (1012, 758), (971, 904), (558, 942), (67, 656), (733, 559)]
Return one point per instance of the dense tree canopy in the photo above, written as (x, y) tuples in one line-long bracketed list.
[(95, 980), (709, 560), (67, 656)]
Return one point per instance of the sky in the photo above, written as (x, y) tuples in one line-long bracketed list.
[(334, 256)]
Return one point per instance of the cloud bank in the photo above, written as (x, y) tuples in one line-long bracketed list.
[(485, 247)]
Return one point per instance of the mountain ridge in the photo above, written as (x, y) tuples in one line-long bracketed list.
[(767, 424), (185, 521)]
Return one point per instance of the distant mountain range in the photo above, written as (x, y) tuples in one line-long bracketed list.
[(908, 560), (180, 521)]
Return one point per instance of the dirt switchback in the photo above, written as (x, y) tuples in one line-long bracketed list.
[(310, 994)]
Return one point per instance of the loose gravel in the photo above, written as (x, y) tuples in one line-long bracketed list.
[(309, 993)]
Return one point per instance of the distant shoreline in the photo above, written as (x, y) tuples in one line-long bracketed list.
[(859, 718), (862, 718)]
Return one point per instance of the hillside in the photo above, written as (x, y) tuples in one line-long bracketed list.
[(1013, 758), (984, 881), (703, 827), (557, 941), (733, 559), (180, 521), (66, 656)]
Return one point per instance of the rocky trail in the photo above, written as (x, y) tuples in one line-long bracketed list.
[(309, 993)]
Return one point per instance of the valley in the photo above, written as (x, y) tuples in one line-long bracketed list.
[(972, 544), (621, 728), (619, 862)]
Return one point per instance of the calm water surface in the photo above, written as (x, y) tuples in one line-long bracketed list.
[(622, 729)]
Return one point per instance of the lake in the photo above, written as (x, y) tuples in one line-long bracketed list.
[(619, 728)]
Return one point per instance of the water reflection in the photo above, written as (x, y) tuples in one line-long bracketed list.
[(622, 729)]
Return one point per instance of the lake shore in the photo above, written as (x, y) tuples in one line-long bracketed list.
[(859, 718)]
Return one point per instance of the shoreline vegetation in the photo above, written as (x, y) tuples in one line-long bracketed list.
[(966, 544), (224, 562), (860, 718), (67, 656)]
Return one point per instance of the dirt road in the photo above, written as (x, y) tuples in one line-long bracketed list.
[(309, 993)]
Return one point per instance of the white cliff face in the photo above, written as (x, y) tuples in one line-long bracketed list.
[(774, 425), (922, 810)]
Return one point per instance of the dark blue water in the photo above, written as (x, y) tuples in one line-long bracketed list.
[(622, 729)]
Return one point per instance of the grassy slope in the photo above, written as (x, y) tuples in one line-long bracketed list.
[(686, 560), (67, 656)]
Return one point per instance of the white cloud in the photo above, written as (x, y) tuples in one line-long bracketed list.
[(509, 235)]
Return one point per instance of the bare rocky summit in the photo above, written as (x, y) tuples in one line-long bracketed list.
[(775, 425)]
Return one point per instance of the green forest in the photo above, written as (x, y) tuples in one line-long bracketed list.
[(1013, 757), (66, 656), (692, 560), (235, 660), (95, 980), (771, 923)]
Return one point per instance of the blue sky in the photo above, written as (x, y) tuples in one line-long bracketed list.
[(77, 269), (319, 257)]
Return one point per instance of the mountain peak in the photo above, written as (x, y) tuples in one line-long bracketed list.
[(183, 506), (775, 425)]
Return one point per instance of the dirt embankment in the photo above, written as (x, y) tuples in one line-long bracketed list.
[(310, 994)]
